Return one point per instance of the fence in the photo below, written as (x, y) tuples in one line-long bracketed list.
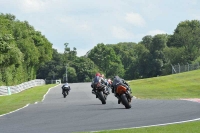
[(53, 81), (8, 90), (183, 68)]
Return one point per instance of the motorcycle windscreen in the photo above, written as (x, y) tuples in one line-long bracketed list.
[(120, 89)]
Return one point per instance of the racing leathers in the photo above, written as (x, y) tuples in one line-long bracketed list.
[(65, 86), (96, 80), (119, 81)]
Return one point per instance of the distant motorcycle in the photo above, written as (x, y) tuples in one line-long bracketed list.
[(65, 91), (100, 92), (124, 96)]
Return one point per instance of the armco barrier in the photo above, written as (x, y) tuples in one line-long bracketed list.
[(8, 90)]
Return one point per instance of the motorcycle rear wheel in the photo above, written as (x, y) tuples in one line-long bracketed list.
[(65, 94), (125, 102)]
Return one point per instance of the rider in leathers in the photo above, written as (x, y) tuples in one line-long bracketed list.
[(119, 81), (98, 77), (66, 85)]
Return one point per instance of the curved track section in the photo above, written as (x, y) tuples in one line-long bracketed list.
[(81, 111)]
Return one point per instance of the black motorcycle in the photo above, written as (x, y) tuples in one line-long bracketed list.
[(65, 91), (100, 92)]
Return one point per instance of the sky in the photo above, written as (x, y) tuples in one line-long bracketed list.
[(85, 23)]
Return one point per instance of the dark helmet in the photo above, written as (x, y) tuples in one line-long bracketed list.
[(116, 76)]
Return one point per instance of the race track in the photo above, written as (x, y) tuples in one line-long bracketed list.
[(81, 111)]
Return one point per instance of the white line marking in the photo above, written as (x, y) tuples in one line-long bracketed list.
[(48, 92), (14, 110), (192, 100), (151, 125)]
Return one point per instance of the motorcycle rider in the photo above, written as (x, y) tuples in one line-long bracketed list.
[(98, 77), (119, 81), (66, 85)]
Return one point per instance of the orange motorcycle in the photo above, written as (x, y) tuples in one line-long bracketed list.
[(124, 96)]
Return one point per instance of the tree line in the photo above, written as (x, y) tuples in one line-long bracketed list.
[(22, 50), (26, 54)]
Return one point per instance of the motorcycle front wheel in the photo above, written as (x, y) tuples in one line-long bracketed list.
[(101, 97)]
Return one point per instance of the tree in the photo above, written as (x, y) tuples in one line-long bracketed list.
[(106, 60), (126, 53), (53, 69), (187, 35), (150, 55), (142, 55), (85, 69), (22, 50), (147, 40)]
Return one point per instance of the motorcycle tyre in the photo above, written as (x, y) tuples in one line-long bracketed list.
[(125, 102), (101, 97), (65, 94)]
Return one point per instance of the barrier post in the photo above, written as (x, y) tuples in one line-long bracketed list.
[(9, 92)]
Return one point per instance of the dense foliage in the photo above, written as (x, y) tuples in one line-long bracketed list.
[(26, 54), (22, 50)]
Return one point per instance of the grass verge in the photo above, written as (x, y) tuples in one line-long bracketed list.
[(15, 101), (176, 86)]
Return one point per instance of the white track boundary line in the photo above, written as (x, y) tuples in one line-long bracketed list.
[(197, 100), (15, 110), (48, 92), (29, 103), (150, 125)]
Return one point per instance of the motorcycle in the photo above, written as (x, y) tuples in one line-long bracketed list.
[(100, 92), (124, 96), (65, 91)]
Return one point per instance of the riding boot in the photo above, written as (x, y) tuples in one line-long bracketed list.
[(119, 101), (93, 91)]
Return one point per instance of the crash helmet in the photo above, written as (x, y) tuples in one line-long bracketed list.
[(98, 74)]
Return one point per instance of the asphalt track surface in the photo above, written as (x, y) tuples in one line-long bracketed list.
[(81, 111)]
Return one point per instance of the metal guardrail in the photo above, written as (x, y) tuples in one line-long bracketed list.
[(8, 90)]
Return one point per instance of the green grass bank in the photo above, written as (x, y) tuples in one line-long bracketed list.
[(176, 86), (15, 101)]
